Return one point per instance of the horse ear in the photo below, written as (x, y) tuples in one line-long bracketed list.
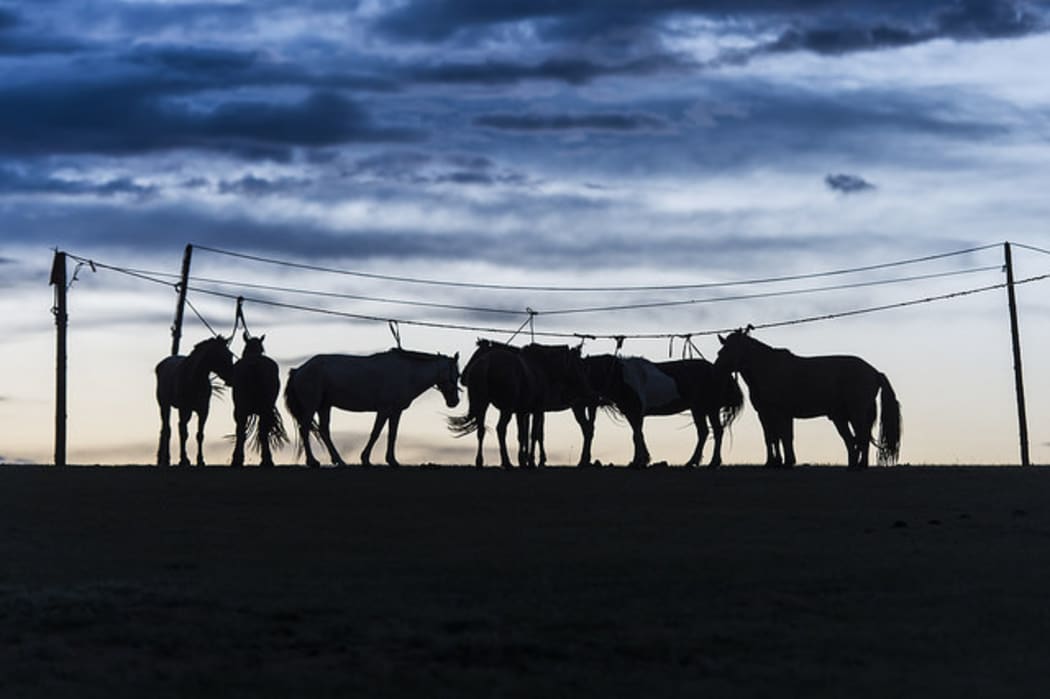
[(748, 329), (262, 337), (455, 357)]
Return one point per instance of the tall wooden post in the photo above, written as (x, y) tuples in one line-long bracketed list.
[(1022, 419), (58, 280), (176, 328)]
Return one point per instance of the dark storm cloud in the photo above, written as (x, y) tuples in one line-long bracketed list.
[(965, 20), (823, 26), (15, 39), (199, 68), (253, 186), (560, 122), (126, 117), (569, 69), (847, 184)]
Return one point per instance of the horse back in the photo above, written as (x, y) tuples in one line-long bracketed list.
[(813, 386), (656, 391), (256, 381), (506, 378)]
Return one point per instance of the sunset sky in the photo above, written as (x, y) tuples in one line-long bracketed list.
[(534, 143)]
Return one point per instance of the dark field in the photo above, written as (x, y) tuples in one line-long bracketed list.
[(141, 582)]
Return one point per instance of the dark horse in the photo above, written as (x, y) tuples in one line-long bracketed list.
[(184, 383), (522, 383), (636, 387), (384, 383), (784, 386), (256, 385)]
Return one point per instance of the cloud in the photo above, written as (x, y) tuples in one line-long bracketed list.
[(967, 20), (847, 184), (134, 116), (821, 26), (571, 70), (14, 181), (419, 168), (559, 122), (253, 186)]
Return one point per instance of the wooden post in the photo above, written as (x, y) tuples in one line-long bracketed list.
[(58, 280), (176, 328), (1022, 419)]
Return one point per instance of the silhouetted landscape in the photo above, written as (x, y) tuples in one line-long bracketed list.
[(451, 581)]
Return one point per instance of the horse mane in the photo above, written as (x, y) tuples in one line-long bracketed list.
[(412, 354)]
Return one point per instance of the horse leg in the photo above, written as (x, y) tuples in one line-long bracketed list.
[(501, 435), (538, 421), (324, 420), (862, 427), (479, 459), (391, 439), (585, 420), (718, 430), (641, 452), (525, 459), (769, 433), (787, 437), (700, 422), (265, 429), (202, 417), (184, 435), (304, 439), (164, 447), (240, 432), (842, 426), (377, 427)]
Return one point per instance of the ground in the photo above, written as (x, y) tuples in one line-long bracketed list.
[(215, 582)]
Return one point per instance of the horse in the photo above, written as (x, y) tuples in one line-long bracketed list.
[(784, 386), (636, 388), (385, 383), (256, 386), (184, 382), (522, 383)]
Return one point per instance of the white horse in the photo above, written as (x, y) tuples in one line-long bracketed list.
[(384, 383)]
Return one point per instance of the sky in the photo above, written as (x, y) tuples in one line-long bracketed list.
[(532, 143)]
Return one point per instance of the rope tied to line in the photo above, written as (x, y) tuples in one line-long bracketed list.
[(395, 330)]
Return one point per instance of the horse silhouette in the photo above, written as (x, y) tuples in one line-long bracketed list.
[(385, 383), (522, 383), (784, 386), (184, 383), (636, 388), (256, 385)]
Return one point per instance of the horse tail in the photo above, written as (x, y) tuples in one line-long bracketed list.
[(889, 444), (276, 437), (732, 400), (462, 425), (613, 412), (295, 406)]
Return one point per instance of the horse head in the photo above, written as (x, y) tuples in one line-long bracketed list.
[(448, 380), (733, 356), (214, 355), (253, 346)]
